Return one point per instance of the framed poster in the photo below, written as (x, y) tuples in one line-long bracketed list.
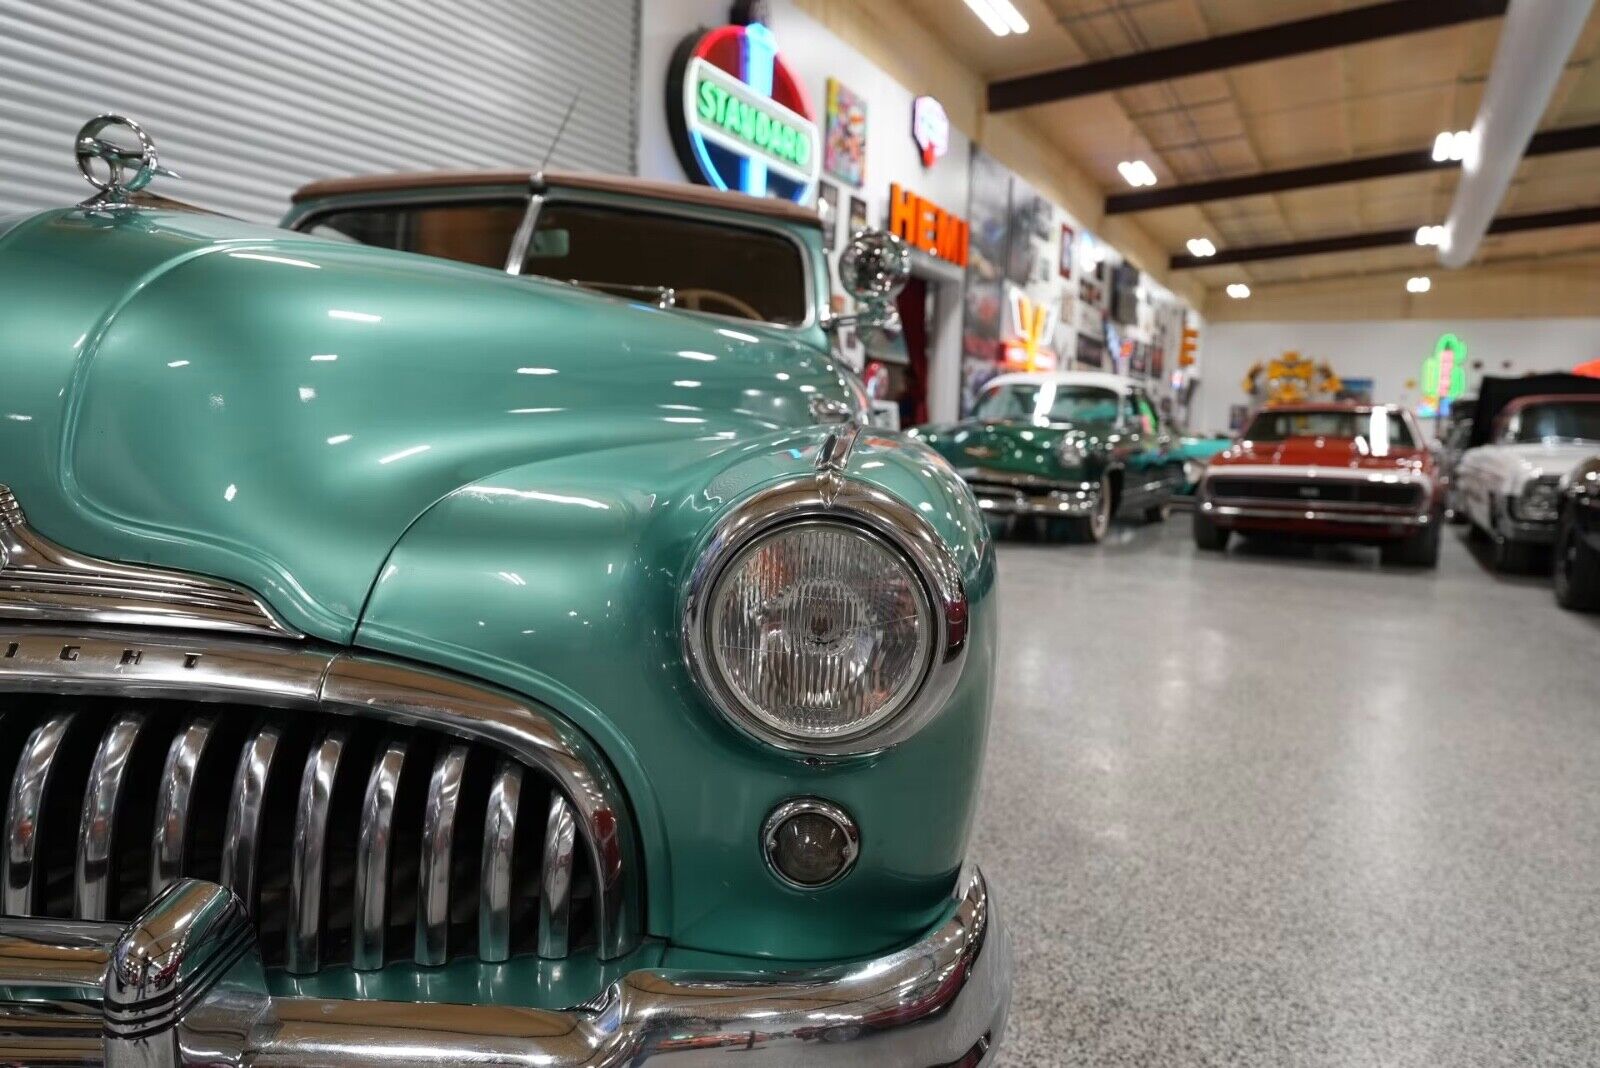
[(858, 215), (844, 139), (828, 211)]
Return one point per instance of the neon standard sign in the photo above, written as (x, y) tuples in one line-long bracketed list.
[(740, 117)]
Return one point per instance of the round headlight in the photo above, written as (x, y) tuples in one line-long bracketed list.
[(1070, 452), (817, 632)]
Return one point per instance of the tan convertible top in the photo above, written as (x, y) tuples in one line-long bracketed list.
[(679, 192)]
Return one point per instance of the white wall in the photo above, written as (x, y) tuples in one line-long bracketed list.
[(1389, 352)]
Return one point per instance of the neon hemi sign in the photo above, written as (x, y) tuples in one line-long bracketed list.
[(740, 118)]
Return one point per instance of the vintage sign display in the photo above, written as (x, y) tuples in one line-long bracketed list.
[(1290, 379), (1444, 375), (1030, 332), (923, 224), (844, 146), (930, 129), (740, 117)]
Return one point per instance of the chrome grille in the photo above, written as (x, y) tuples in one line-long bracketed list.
[(356, 839), (1317, 491)]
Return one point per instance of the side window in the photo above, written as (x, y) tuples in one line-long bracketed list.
[(1130, 414), (1148, 422)]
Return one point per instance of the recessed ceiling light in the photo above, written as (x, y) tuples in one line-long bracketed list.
[(1202, 247), (1451, 146), (1420, 284), (1430, 235), (1238, 291), (1136, 172), (1000, 16)]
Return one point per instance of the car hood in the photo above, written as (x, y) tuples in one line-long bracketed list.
[(1318, 452), (1539, 459), (1016, 446), (277, 409)]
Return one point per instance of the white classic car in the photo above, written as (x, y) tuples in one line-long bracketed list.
[(1510, 487)]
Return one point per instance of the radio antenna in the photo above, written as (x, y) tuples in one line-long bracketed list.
[(556, 140)]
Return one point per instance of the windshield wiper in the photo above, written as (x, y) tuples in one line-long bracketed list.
[(661, 296)]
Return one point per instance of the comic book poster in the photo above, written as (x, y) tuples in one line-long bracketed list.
[(844, 150)]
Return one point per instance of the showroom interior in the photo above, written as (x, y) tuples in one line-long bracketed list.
[(935, 533)]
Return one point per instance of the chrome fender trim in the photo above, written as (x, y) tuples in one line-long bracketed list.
[(168, 1000)]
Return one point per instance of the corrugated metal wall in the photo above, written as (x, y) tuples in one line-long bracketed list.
[(248, 99)]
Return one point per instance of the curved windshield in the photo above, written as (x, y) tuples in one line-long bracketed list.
[(1572, 421), (1377, 430), (1048, 402)]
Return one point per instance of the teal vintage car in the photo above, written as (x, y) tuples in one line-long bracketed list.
[(1194, 451), (415, 661), (1069, 449)]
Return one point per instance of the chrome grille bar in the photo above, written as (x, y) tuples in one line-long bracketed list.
[(372, 859), (438, 836), (23, 811), (173, 800), (555, 897), (242, 840), (92, 877), (306, 861), (494, 884)]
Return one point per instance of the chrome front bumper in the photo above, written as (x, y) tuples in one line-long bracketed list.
[(1317, 515), (1024, 495), (183, 985)]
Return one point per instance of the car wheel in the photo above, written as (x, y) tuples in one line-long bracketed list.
[(1157, 513), (1512, 557), (1091, 529), (1577, 569), (1208, 536), (1419, 550)]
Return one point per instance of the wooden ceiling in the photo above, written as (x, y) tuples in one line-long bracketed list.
[(1385, 96)]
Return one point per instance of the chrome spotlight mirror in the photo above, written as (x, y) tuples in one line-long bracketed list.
[(117, 157), (873, 268)]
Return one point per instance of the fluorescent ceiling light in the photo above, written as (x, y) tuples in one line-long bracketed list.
[(1420, 284), (1238, 291), (1201, 246), (1136, 172), (1012, 17), (990, 17), (1430, 235), (1452, 146)]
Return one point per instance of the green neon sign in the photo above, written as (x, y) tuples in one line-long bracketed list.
[(1444, 374), (724, 105)]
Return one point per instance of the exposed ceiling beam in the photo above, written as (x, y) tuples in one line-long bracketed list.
[(1354, 170), (1318, 246), (1370, 23)]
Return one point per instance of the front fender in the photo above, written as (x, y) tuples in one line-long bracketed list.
[(562, 580)]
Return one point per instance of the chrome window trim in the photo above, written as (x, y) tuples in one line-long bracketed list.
[(313, 677), (40, 580), (830, 495)]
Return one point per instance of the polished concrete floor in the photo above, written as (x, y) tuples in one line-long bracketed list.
[(1288, 807)]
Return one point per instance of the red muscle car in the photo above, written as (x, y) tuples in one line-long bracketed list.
[(1335, 472)]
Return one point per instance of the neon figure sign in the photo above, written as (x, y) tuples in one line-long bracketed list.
[(1444, 375), (740, 117)]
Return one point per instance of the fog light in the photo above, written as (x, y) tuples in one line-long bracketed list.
[(810, 843)]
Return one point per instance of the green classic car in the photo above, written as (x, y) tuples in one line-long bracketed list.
[(415, 661), (1067, 448)]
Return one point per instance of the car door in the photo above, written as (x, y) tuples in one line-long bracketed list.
[(1149, 472)]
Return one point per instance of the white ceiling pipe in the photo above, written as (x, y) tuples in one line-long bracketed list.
[(1535, 41)]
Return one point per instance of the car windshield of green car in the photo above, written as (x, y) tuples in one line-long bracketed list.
[(740, 272), (1048, 402), (1378, 429), (1560, 422)]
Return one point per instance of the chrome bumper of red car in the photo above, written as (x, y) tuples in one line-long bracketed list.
[(1293, 513), (183, 985)]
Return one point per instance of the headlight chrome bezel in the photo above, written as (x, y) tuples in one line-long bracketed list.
[(835, 500)]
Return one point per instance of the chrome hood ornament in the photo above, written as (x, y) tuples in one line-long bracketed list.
[(118, 158)]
